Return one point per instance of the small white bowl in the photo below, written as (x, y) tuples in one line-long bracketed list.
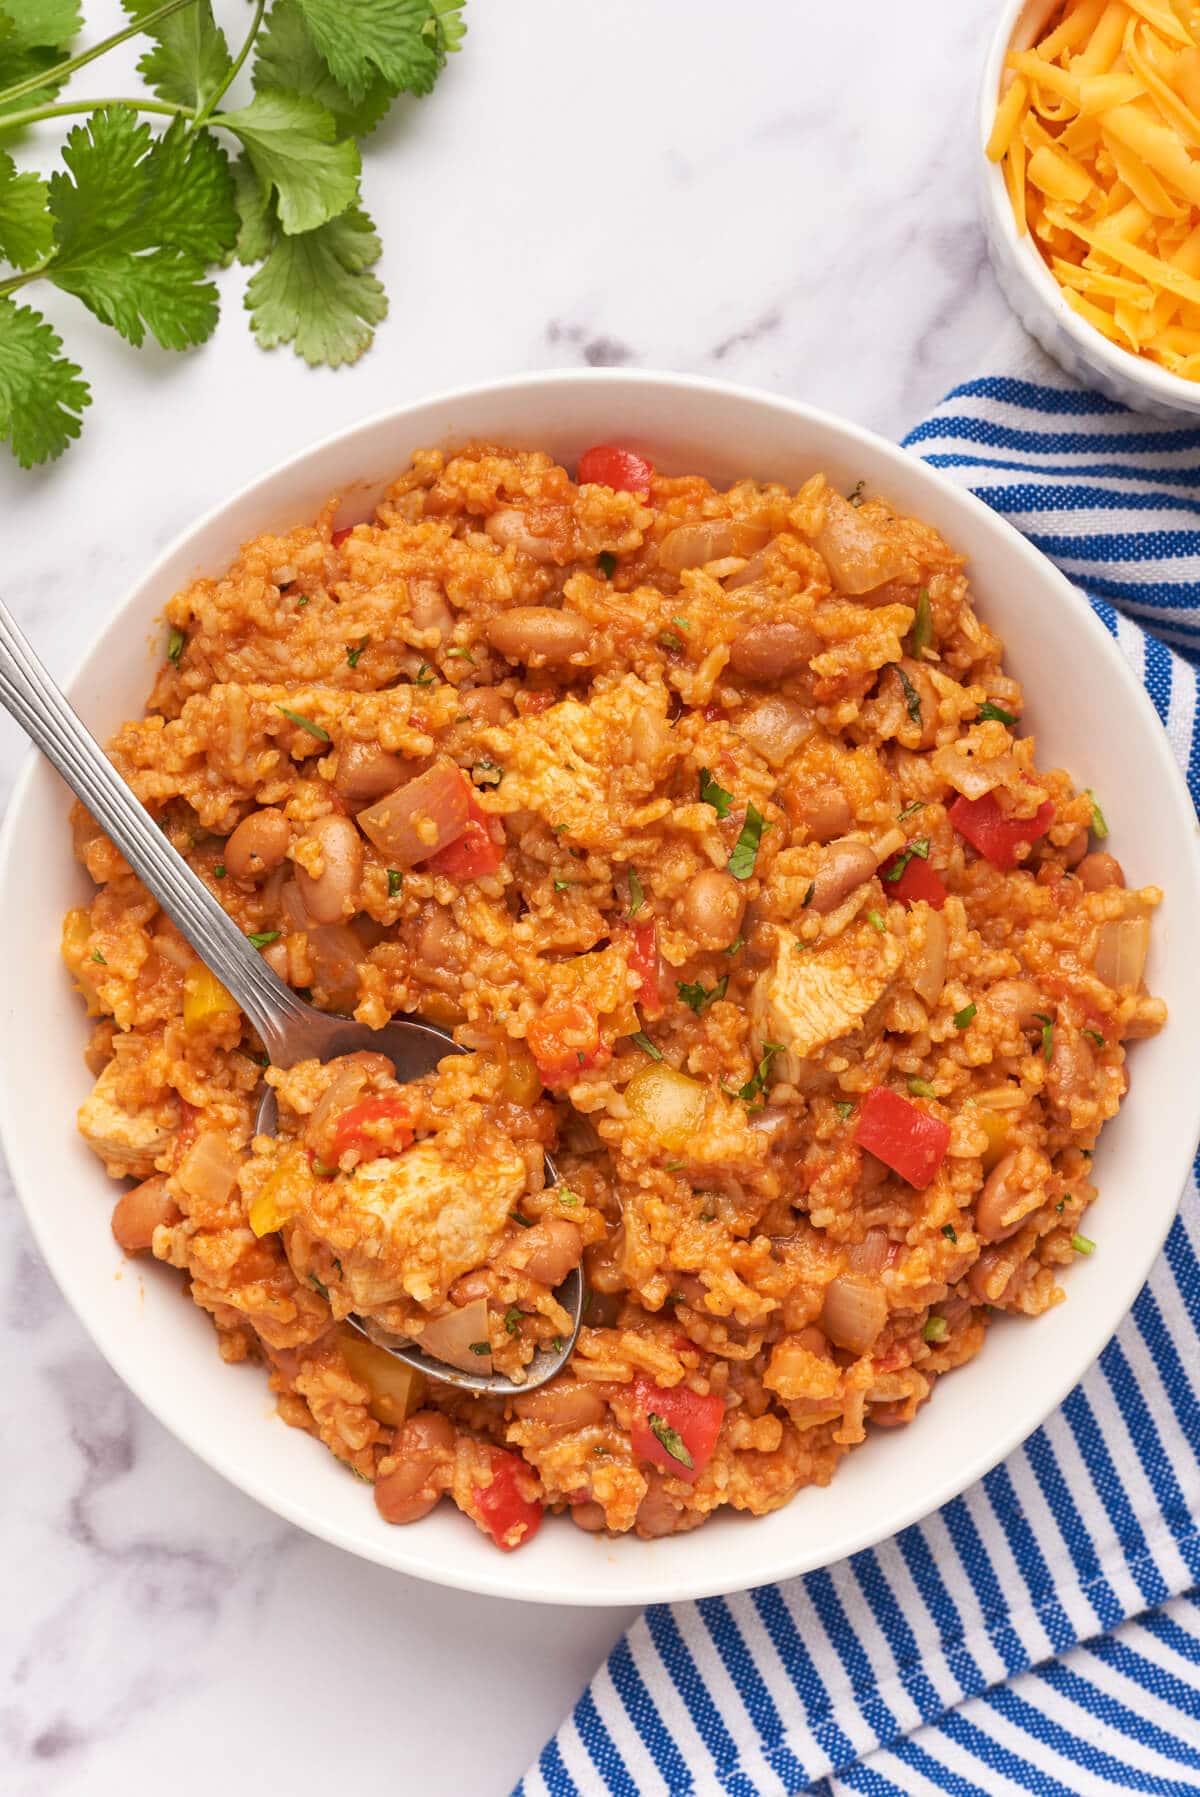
[(1025, 280), (1090, 714)]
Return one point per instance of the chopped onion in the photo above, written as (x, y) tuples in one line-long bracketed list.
[(931, 975), (859, 555), (344, 1089), (870, 1255), (450, 1337), (854, 1312), (1120, 957), (972, 776), (335, 953), (418, 819), (776, 728), (209, 1168), (709, 540)]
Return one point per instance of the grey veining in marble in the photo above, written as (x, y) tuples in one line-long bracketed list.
[(782, 197)]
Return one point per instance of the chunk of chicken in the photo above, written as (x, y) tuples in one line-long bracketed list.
[(127, 1131), (812, 996), (409, 1225)]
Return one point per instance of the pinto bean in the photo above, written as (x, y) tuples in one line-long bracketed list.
[(824, 812), (510, 526), (427, 607), (1015, 1002), (1074, 850), (713, 907), (538, 635), (563, 1404), (844, 866), (484, 705), (411, 1490), (550, 1249), (365, 771), (768, 650), (1099, 871), (330, 897), (659, 1514), (1005, 1201), (589, 1517), (258, 845), (980, 1280), (138, 1213), (1072, 1071)]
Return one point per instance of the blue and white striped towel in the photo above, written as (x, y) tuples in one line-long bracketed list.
[(1042, 1632)]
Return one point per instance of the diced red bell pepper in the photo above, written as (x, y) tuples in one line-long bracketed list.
[(643, 960), (509, 1517), (908, 1140), (474, 853), (997, 837), (375, 1126), (918, 881), (565, 1040), (338, 537), (690, 1422), (607, 465)]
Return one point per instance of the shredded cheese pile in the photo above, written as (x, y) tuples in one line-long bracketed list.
[(1098, 130)]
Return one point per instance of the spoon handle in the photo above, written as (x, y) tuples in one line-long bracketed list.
[(31, 697)]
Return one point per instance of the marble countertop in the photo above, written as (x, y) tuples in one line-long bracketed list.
[(783, 198)]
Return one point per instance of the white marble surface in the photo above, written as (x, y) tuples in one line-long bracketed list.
[(782, 196)]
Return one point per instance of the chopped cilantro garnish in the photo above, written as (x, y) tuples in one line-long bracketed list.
[(936, 1330), (844, 1107), (566, 1196), (699, 997), (1061, 1206), (913, 805), (176, 644), (1099, 821), (524, 1222), (855, 495), (1097, 1038), (318, 1285), (606, 561), (458, 653), (1083, 1244), (423, 675), (480, 1347), (262, 938), (558, 1344), (395, 881), (352, 655), (912, 698), (97, 956), (637, 897), (303, 723), (949, 1231), (962, 1018), (670, 1439), (921, 1088), (997, 712), (756, 1083), (876, 922), (512, 1319), (563, 885), (919, 848), (714, 795), (922, 630), (303, 601), (487, 773), (219, 871), (806, 901), (669, 640), (745, 849), (1047, 1023), (647, 1047)]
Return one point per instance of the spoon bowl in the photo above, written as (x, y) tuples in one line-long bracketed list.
[(291, 1030)]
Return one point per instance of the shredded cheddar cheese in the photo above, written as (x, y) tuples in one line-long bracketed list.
[(1097, 130)]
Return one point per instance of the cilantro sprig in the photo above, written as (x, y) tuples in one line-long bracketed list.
[(135, 219)]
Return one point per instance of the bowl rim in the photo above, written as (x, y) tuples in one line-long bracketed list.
[(1121, 365), (1127, 1279)]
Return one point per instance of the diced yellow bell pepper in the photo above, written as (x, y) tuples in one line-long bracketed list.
[(996, 1129), (396, 1389), (669, 1102), (279, 1199), (522, 1083), (77, 927), (204, 996)]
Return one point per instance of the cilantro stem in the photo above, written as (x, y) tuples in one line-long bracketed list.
[(62, 108), (207, 110), (57, 75)]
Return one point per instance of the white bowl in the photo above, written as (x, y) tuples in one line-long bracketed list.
[(1026, 282), (1090, 714)]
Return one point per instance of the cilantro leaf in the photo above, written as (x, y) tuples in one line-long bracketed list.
[(285, 56), (138, 218), (33, 36), (293, 147), (380, 37), (26, 227), (755, 1085), (41, 393), (745, 849), (256, 213), (447, 23), (670, 1439), (699, 996), (315, 291), (714, 795), (189, 62)]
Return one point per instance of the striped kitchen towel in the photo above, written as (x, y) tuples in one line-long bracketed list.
[(1042, 1632)]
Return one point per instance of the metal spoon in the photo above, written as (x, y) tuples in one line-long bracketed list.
[(291, 1030)]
